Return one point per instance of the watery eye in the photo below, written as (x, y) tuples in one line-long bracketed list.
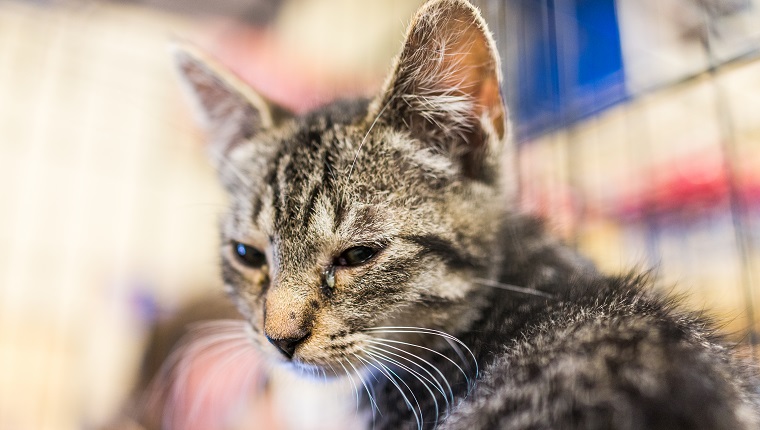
[(249, 255), (355, 256)]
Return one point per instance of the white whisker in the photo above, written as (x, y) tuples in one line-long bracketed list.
[(445, 380), (204, 343), (371, 398), (353, 384), (514, 288), (460, 354), (200, 397), (383, 341), (433, 380), (389, 374), (423, 380), (366, 135), (182, 363), (423, 330)]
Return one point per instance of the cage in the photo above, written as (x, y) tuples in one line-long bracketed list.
[(638, 125), (638, 138)]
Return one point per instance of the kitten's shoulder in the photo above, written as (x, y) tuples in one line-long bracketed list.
[(610, 354)]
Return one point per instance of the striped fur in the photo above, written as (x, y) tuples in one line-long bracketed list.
[(468, 315)]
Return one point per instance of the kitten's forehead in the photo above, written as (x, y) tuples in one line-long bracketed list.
[(332, 181), (306, 178)]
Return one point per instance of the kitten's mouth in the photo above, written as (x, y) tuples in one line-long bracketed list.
[(305, 357), (338, 357), (326, 371)]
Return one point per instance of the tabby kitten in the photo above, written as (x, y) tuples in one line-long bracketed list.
[(379, 240)]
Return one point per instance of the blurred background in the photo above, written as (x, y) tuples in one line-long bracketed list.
[(638, 124)]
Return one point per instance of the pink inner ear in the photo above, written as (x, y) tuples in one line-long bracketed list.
[(448, 52), (473, 68), (490, 100), (215, 98), (446, 85)]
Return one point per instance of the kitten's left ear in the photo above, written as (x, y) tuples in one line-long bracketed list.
[(226, 107), (445, 88)]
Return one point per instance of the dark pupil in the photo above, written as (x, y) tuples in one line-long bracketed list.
[(249, 256), (355, 256)]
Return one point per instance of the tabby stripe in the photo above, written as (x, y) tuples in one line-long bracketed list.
[(309, 208), (259, 202), (402, 270), (316, 187), (269, 178), (275, 200), (277, 204), (340, 211), (290, 177), (443, 248), (328, 173)]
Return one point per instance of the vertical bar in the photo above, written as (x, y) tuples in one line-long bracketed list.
[(736, 205)]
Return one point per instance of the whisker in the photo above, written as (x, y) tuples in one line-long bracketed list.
[(180, 374), (383, 341), (364, 139), (203, 346), (201, 349), (371, 398), (336, 397), (332, 369), (353, 384), (422, 330), (202, 391), (253, 372), (461, 356), (204, 342), (382, 369), (513, 288), (445, 380), (201, 395), (434, 381), (421, 378)]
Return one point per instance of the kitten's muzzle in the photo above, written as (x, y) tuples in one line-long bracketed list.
[(288, 318), (287, 346)]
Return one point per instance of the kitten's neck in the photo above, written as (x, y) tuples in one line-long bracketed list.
[(534, 268), (531, 260)]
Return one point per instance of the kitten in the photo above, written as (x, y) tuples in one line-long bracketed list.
[(379, 240)]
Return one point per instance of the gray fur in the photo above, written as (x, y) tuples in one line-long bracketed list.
[(535, 337)]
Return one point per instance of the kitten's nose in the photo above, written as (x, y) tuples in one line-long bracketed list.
[(287, 345)]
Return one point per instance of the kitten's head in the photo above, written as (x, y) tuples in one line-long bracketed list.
[(365, 214)]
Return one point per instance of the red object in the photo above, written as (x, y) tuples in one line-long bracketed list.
[(687, 186)]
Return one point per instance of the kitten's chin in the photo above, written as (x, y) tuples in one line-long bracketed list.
[(312, 371), (302, 365)]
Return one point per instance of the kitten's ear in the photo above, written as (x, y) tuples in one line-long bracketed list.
[(445, 87), (226, 107)]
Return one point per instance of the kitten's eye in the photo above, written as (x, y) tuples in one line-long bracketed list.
[(355, 256), (248, 255)]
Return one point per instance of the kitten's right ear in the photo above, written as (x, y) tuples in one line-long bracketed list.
[(229, 110), (445, 88)]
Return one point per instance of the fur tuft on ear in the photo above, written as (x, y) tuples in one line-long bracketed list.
[(445, 87), (229, 110)]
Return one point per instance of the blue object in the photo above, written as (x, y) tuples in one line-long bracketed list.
[(568, 63)]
